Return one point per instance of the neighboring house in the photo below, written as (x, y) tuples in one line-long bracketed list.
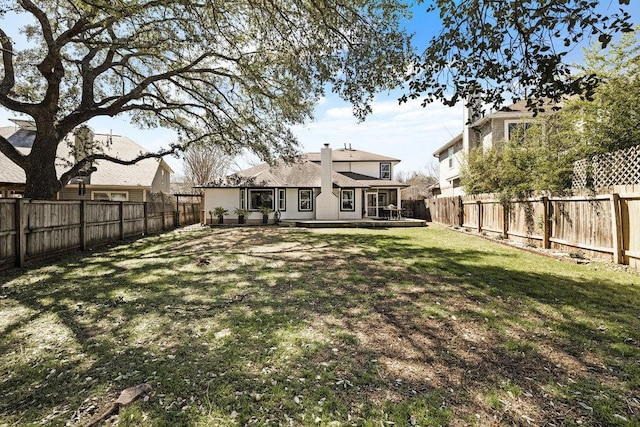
[(342, 184), (109, 181), (485, 132)]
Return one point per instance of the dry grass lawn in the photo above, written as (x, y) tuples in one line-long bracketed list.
[(274, 326)]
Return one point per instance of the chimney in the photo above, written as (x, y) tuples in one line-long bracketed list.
[(326, 202), (83, 146), (83, 142), (470, 114)]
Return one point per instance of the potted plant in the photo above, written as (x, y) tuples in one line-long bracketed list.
[(265, 211), (220, 212), (242, 214)]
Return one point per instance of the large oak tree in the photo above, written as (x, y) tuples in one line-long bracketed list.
[(237, 72), (240, 72), (492, 49)]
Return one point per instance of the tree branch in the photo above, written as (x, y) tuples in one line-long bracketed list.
[(9, 79), (75, 169), (10, 151)]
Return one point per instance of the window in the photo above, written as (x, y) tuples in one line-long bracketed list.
[(113, 196), (305, 200), (385, 170), (347, 200), (260, 198), (516, 129), (450, 157), (282, 199), (243, 199)]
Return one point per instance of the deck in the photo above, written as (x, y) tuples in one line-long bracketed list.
[(356, 223)]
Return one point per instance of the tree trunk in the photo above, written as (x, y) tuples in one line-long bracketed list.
[(42, 179)]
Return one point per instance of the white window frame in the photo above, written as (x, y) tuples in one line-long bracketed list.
[(507, 123), (110, 194), (385, 174), (308, 199), (259, 190), (243, 198), (282, 199), (450, 153), (344, 192)]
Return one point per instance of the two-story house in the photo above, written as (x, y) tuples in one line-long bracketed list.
[(342, 184), (479, 131)]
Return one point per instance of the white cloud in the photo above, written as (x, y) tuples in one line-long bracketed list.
[(407, 131)]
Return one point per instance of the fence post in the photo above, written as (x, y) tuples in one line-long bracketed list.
[(21, 238), (479, 203), (163, 216), (460, 212), (146, 218), (616, 228), (83, 225), (505, 220), (121, 212), (546, 230)]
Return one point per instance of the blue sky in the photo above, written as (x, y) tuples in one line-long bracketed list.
[(408, 131)]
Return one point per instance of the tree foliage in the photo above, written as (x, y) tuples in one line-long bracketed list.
[(610, 121), (534, 160), (494, 48), (419, 183), (541, 158), (205, 163), (236, 73)]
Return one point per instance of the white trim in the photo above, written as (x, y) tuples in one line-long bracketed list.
[(110, 194), (514, 121), (300, 199)]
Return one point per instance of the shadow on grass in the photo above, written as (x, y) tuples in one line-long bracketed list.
[(265, 325)]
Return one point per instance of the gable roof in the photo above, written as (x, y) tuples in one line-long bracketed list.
[(451, 143), (518, 110), (107, 173), (350, 155), (301, 174), (140, 174)]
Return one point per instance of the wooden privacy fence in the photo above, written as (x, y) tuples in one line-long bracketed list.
[(605, 225), (32, 229)]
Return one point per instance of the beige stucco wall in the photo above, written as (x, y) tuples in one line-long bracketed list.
[(369, 168), (162, 180), (448, 173), (292, 206), (228, 198), (355, 214)]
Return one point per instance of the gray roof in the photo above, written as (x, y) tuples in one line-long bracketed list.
[(519, 110), (300, 174), (11, 173), (350, 155), (372, 181), (108, 173)]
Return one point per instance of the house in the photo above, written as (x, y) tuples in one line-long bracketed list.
[(479, 131), (108, 181), (342, 184)]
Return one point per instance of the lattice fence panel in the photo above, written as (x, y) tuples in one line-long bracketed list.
[(580, 174), (621, 167)]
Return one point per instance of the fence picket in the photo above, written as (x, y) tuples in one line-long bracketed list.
[(32, 229), (606, 224)]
